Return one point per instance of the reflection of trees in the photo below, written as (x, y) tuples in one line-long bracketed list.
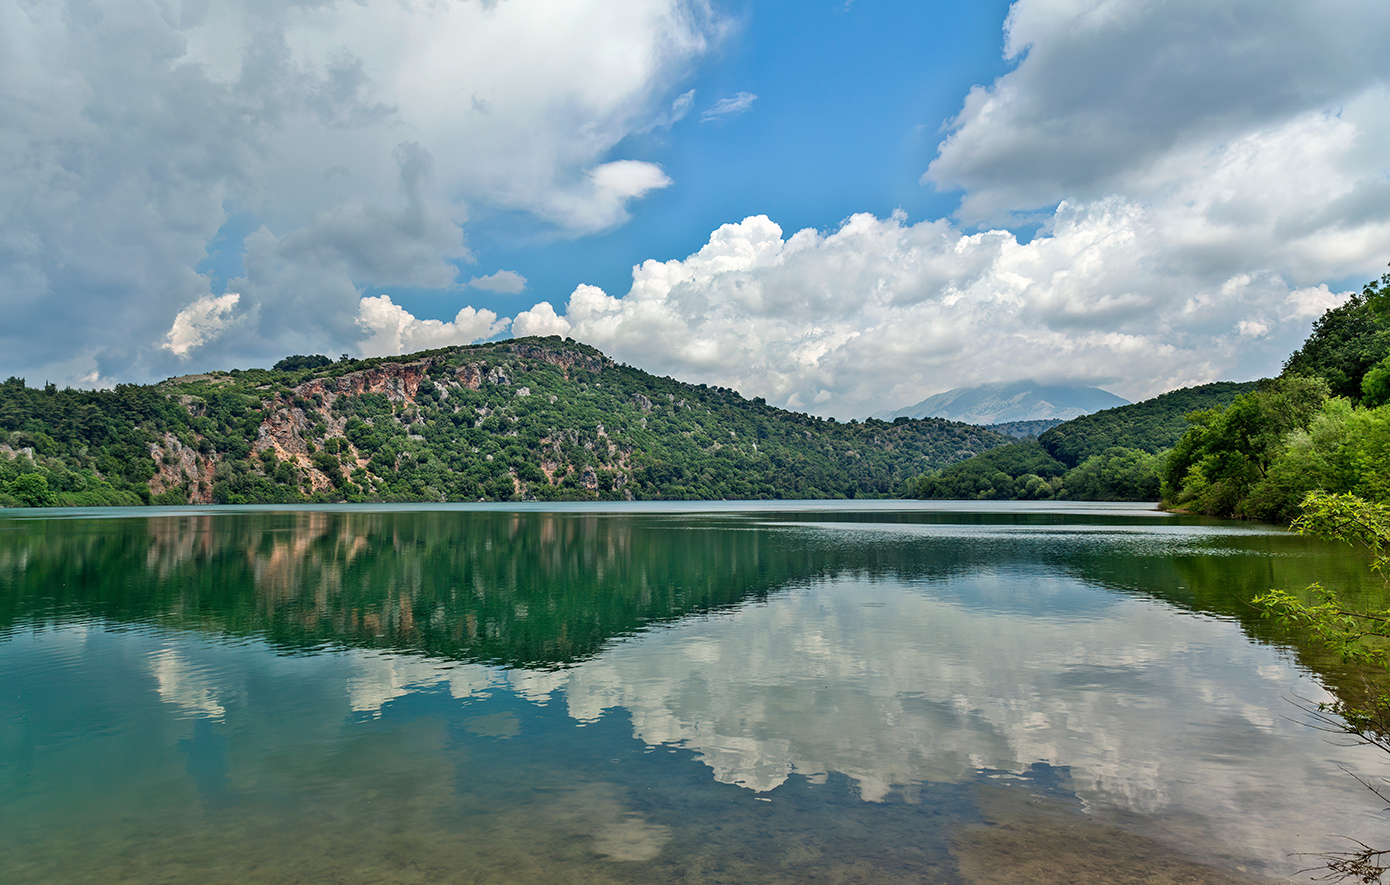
[(1220, 576), (507, 587), (546, 588), (517, 588)]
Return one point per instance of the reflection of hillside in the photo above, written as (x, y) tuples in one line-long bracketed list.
[(518, 588), (515, 588), (536, 588)]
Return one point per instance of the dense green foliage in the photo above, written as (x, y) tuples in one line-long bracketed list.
[(1324, 425), (1225, 464), (1025, 471), (1112, 455), (79, 447), (299, 361), (1152, 426), (528, 419), (1375, 386), (1347, 342)]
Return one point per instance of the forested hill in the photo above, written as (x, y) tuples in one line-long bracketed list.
[(1151, 426), (1247, 450), (524, 419), (1025, 429), (1323, 425), (1109, 455)]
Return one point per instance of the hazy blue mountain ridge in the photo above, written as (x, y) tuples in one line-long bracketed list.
[(1010, 401)]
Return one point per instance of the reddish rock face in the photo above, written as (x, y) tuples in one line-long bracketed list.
[(178, 466), (398, 381), (288, 428), (470, 375)]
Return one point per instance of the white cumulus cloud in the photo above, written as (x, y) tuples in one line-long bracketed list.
[(600, 201), (200, 322), (540, 320), (391, 329), (508, 281)]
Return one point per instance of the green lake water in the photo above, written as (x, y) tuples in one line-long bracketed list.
[(732, 693)]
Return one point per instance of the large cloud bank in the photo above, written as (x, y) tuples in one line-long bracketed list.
[(1153, 195), (348, 138), (1121, 96), (881, 312), (1200, 173)]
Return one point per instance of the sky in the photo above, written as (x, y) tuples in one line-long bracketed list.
[(843, 206)]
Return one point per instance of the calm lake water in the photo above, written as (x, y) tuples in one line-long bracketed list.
[(807, 692)]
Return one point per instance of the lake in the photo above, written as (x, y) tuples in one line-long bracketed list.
[(862, 691)]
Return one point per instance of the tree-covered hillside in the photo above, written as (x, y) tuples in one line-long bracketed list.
[(514, 420), (1025, 429), (1151, 426), (1112, 455), (1323, 425)]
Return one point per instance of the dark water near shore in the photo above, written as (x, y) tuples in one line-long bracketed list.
[(851, 692)]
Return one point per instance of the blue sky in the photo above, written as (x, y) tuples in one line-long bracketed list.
[(850, 104), (841, 207)]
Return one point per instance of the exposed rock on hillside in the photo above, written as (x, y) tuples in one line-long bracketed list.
[(521, 419)]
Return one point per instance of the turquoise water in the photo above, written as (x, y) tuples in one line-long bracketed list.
[(789, 692)]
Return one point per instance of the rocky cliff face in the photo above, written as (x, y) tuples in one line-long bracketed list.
[(178, 466), (300, 420), (519, 419)]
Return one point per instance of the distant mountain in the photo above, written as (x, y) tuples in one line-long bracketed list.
[(1012, 401)]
